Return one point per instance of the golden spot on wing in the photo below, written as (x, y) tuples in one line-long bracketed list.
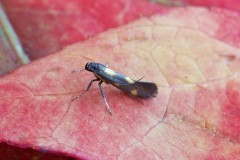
[(116, 84), (104, 81), (134, 92), (97, 76), (109, 72), (129, 80)]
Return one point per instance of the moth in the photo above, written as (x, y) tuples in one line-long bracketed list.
[(135, 88)]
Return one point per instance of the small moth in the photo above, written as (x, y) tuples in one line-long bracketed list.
[(132, 87)]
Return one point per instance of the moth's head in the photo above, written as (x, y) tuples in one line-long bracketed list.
[(91, 66), (87, 66)]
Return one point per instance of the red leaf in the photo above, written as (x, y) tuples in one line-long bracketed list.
[(228, 4), (196, 71), (69, 21)]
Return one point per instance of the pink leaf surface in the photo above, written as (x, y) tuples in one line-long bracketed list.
[(45, 27), (197, 72), (228, 4)]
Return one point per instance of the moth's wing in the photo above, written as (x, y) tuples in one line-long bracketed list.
[(114, 79), (140, 89), (135, 88)]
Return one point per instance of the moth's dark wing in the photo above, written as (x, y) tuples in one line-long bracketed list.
[(140, 89), (135, 88)]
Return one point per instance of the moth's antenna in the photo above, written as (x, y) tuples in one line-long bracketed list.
[(140, 79), (77, 70)]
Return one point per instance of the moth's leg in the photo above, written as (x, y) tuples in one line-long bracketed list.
[(88, 87), (104, 97), (77, 70), (106, 65)]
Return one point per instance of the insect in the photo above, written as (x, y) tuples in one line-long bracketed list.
[(135, 88)]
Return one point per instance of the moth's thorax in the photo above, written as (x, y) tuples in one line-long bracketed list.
[(92, 66)]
